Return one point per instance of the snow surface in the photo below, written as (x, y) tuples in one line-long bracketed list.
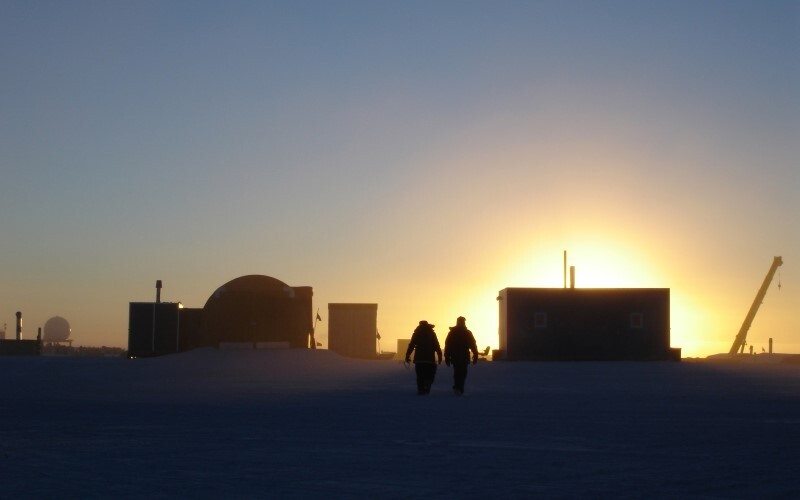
[(298, 423)]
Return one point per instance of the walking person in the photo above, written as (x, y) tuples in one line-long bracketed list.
[(457, 347), (425, 345)]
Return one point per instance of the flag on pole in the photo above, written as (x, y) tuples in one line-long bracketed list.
[(377, 334), (318, 318)]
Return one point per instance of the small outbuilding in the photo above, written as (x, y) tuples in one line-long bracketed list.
[(353, 329), (154, 328), (591, 324)]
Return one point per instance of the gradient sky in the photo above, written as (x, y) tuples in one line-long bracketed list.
[(422, 155)]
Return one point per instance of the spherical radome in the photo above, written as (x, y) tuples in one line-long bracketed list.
[(56, 329)]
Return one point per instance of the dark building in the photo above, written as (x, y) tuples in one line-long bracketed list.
[(352, 329), (18, 346), (257, 310), (153, 327), (156, 328), (573, 324)]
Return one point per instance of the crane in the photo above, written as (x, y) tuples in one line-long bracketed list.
[(739, 341)]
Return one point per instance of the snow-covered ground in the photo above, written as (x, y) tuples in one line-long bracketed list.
[(309, 424)]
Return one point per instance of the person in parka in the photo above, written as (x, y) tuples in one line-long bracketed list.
[(424, 344), (457, 347)]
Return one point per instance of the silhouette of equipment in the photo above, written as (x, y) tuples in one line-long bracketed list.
[(740, 340)]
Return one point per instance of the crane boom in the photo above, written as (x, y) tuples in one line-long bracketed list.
[(738, 342)]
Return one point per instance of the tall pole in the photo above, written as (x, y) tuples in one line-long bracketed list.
[(19, 325), (178, 330), (314, 330)]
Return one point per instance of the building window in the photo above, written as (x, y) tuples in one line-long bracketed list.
[(637, 320), (540, 320)]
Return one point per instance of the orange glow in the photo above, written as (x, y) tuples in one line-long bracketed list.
[(600, 262), (687, 325)]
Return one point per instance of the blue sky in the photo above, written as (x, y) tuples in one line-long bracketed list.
[(421, 155)]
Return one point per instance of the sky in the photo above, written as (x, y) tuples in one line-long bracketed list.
[(418, 155)]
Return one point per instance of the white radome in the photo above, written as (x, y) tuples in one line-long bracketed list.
[(56, 329)]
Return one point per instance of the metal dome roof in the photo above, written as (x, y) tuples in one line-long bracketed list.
[(257, 308), (252, 283)]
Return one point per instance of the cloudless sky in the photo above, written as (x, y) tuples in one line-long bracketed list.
[(422, 155)]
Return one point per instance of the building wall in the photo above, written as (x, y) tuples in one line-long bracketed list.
[(256, 309), (13, 347), (584, 324), (402, 347), (352, 329), (153, 328)]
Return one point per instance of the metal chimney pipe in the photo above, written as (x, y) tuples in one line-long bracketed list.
[(770, 345), (158, 291), (19, 325), (572, 276)]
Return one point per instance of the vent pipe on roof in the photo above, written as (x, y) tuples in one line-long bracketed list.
[(572, 276), (158, 291)]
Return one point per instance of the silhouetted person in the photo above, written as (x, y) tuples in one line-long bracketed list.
[(424, 344), (457, 347)]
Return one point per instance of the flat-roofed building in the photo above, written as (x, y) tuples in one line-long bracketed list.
[(353, 329), (585, 324)]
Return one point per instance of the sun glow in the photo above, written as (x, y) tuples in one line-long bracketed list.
[(599, 263), (688, 323), (483, 319)]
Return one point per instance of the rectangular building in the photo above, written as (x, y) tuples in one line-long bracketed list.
[(402, 347), (557, 324), (353, 329), (20, 347), (158, 328)]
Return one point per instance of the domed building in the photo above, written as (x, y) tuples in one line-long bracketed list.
[(56, 330), (260, 310), (252, 311)]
